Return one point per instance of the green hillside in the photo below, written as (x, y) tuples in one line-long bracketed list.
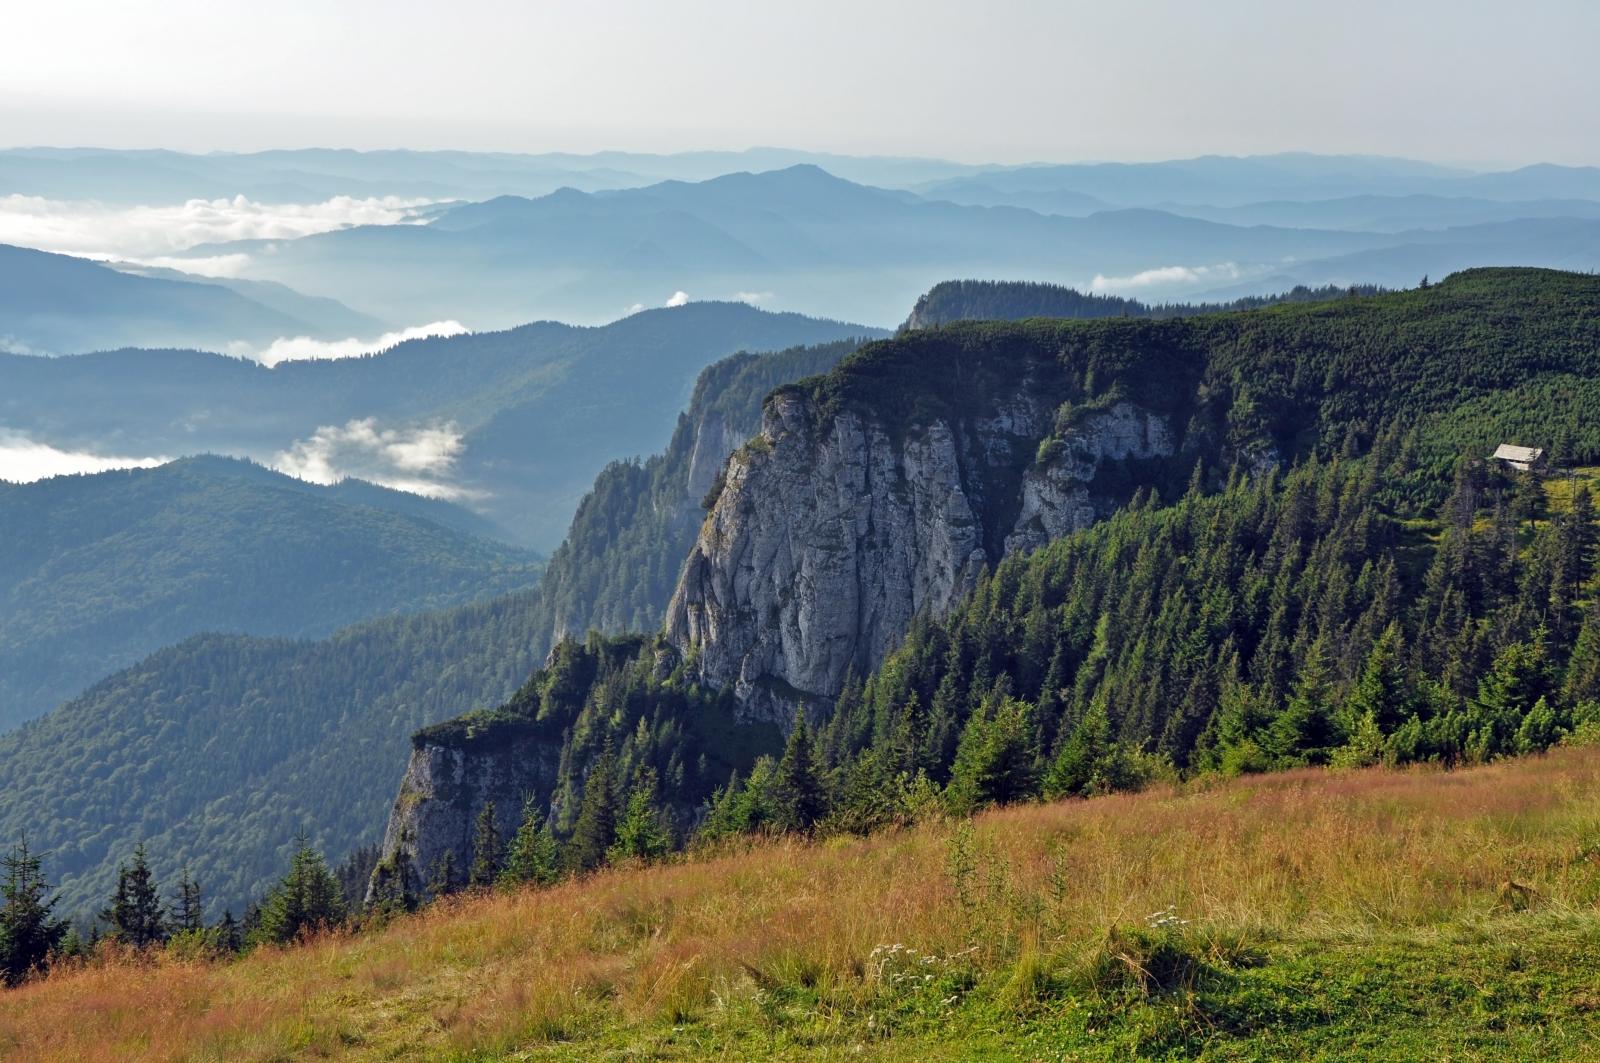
[(97, 571), (219, 750)]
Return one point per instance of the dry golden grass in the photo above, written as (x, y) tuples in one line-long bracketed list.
[(1336, 855)]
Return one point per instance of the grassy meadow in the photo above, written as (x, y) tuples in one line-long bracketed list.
[(1374, 914)]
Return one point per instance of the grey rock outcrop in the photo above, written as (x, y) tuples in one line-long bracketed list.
[(831, 534), (446, 787), (1057, 494), (715, 439)]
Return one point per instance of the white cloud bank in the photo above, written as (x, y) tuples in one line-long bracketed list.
[(223, 266), (1166, 277), (302, 348), (148, 233), (418, 459), (24, 460), (679, 298)]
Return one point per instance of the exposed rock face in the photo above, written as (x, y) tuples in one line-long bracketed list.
[(1057, 496), (714, 440), (615, 573), (830, 536), (446, 787)]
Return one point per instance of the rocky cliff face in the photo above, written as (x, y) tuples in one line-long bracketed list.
[(831, 533), (715, 440), (447, 785), (1058, 495)]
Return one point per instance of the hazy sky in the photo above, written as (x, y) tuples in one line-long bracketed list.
[(1013, 80)]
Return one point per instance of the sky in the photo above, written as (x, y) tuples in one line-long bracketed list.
[(1456, 81)]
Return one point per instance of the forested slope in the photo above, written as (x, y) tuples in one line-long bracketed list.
[(1326, 569), (216, 751), (97, 571)]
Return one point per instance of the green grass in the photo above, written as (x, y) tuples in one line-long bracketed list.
[(1502, 987)]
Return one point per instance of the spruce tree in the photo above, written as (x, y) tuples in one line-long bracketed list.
[(1307, 731), (534, 857), (1540, 729), (1383, 693), (642, 832), (487, 851), (135, 912), (443, 878), (1078, 765), (306, 900), (29, 931), (188, 909), (229, 935), (1582, 682), (596, 827), (796, 793), (1515, 684)]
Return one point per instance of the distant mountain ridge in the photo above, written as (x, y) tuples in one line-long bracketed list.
[(803, 238), (585, 239), (798, 237), (301, 175), (533, 413), (1230, 181), (58, 304)]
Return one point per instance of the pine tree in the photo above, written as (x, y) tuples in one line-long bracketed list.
[(443, 878), (1383, 693), (229, 935), (306, 900), (796, 792), (642, 832), (188, 910), (534, 857), (29, 932), (487, 851), (1540, 729), (1307, 731), (596, 826), (135, 913)]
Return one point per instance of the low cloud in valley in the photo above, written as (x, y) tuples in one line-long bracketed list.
[(146, 233), (1167, 277), (421, 459), (301, 348), (24, 459)]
